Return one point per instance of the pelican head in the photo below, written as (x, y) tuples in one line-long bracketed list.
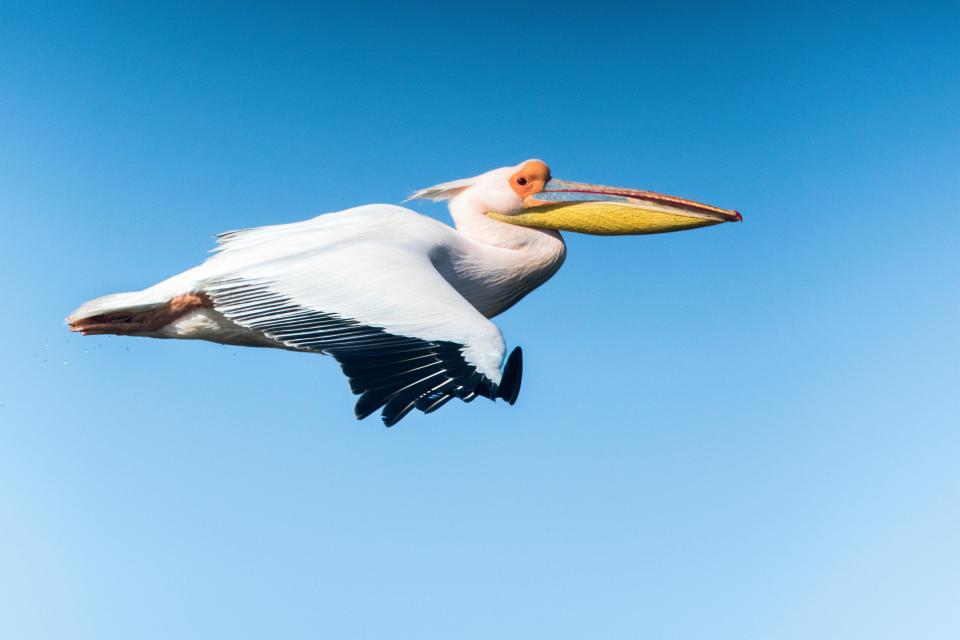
[(504, 191), (528, 195)]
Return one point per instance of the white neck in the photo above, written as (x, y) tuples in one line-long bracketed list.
[(471, 220), (504, 262)]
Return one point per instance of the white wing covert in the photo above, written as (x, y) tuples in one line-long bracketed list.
[(402, 334)]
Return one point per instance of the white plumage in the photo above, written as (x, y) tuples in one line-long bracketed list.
[(326, 283)]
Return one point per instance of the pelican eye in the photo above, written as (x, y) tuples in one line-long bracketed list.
[(521, 181)]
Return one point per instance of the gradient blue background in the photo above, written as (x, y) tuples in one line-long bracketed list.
[(748, 431)]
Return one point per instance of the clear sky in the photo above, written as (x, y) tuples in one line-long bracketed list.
[(746, 431)]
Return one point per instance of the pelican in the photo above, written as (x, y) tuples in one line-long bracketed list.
[(402, 301)]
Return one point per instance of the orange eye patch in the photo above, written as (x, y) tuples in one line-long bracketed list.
[(530, 179)]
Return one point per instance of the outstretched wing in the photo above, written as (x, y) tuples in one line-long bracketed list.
[(403, 336)]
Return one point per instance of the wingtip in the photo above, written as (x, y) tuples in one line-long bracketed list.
[(509, 388)]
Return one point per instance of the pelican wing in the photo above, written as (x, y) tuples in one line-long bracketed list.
[(403, 336)]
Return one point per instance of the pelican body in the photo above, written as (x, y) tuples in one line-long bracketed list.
[(402, 301)]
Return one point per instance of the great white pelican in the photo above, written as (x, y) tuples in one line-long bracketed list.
[(402, 301)]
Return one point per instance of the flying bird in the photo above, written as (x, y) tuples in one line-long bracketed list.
[(402, 301)]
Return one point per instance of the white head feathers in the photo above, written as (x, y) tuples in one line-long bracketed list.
[(443, 191)]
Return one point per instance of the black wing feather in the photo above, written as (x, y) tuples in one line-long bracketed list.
[(393, 372)]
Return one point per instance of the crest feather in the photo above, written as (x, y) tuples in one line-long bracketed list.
[(443, 191)]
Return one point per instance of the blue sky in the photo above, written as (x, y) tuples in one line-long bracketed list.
[(747, 431)]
